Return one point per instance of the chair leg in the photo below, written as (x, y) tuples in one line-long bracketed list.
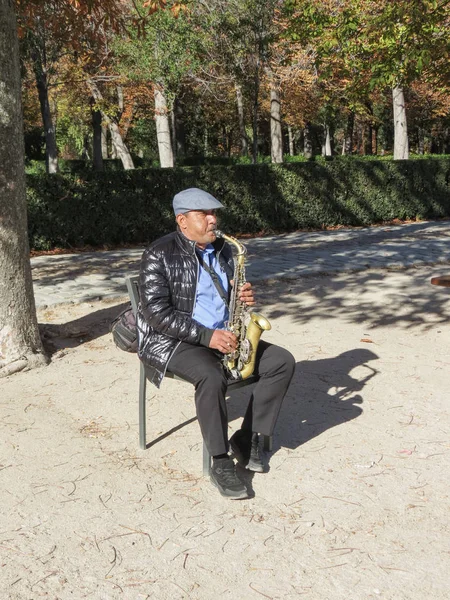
[(142, 411), (206, 460), (267, 443)]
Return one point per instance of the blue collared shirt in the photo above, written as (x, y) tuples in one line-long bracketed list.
[(210, 310)]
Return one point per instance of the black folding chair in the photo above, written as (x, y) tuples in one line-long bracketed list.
[(133, 290)]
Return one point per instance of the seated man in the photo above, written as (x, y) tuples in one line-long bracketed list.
[(182, 328)]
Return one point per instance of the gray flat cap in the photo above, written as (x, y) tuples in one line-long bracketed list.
[(194, 199)]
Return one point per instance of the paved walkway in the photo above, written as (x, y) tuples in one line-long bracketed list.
[(91, 275)]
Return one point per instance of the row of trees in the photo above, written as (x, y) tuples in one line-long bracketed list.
[(213, 74), (236, 77)]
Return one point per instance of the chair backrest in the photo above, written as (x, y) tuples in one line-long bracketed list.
[(133, 290)]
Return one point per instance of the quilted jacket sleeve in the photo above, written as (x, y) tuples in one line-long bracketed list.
[(167, 296)]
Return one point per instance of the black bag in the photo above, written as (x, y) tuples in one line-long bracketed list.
[(124, 331)]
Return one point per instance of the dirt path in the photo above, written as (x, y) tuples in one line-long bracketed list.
[(356, 500)]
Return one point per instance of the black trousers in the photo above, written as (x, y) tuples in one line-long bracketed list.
[(203, 368)]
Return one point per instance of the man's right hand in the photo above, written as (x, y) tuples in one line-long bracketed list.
[(223, 340)]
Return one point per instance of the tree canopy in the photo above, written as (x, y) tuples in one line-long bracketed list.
[(333, 65)]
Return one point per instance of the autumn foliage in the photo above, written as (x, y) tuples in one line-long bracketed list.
[(333, 64)]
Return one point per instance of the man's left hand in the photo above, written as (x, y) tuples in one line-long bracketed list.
[(246, 294)]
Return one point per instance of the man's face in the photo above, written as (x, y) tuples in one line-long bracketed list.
[(198, 226)]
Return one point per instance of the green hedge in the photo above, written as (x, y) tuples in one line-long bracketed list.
[(134, 207)]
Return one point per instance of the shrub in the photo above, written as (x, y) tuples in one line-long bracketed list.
[(135, 207)]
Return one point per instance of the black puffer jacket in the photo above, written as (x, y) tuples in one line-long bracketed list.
[(167, 287)]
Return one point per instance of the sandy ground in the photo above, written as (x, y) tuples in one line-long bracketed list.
[(355, 503)]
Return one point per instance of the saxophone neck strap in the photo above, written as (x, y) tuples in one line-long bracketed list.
[(215, 278)]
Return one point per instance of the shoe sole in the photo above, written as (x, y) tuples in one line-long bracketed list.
[(250, 466), (255, 467), (231, 495)]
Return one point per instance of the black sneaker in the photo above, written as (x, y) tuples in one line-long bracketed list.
[(223, 476), (245, 448)]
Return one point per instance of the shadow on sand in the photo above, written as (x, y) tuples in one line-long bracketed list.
[(403, 299), (323, 394), (57, 336)]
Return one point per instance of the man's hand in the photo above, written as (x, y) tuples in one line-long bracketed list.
[(246, 294), (223, 340)]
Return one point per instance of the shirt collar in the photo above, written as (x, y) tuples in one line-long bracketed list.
[(208, 250)]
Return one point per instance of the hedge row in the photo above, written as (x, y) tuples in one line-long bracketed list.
[(83, 167), (134, 207)]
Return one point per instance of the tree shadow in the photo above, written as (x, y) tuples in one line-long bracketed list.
[(109, 266), (58, 336), (404, 299)]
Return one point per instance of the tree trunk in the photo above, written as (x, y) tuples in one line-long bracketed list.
[(113, 152), (420, 140), (291, 141), (229, 142), (368, 130), (446, 149), (116, 138), (120, 103), (360, 137), (375, 140), (163, 130), (51, 153), (307, 141), (104, 141), (276, 134), (224, 140), (180, 131), (86, 149), (327, 150), (401, 147), (240, 110), (97, 150), (119, 145), (20, 343), (347, 147), (173, 136), (434, 144), (205, 141), (255, 117)]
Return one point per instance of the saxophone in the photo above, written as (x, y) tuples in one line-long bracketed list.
[(247, 326)]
